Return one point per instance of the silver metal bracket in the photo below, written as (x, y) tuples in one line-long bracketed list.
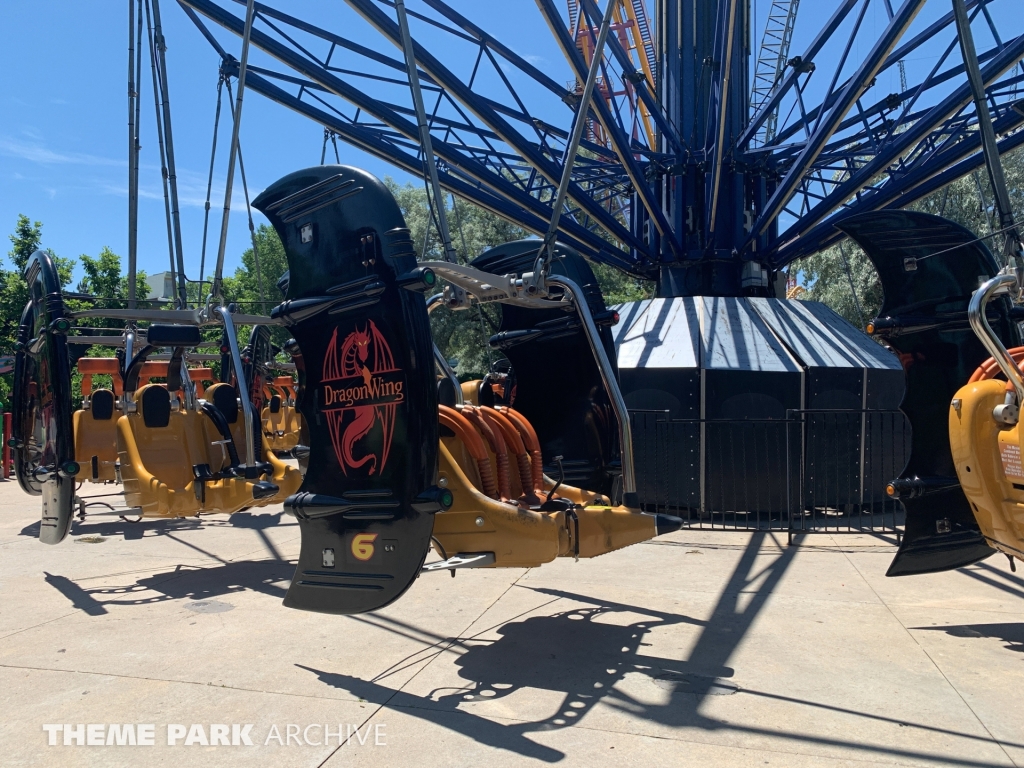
[(464, 560), (1006, 413)]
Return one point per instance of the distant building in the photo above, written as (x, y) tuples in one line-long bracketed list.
[(161, 286)]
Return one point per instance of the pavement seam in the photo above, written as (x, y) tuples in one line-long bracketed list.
[(34, 626), (447, 646), (180, 682), (933, 663)]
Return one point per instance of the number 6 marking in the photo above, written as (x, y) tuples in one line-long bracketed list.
[(362, 545)]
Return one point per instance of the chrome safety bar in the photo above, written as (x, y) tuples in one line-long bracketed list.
[(611, 385), (243, 390), (433, 303), (979, 324)]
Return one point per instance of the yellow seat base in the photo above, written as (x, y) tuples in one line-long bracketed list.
[(520, 537), (988, 463)]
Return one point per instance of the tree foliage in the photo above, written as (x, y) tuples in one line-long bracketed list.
[(463, 335), (967, 201)]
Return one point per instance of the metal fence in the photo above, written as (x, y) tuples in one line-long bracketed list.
[(815, 470)]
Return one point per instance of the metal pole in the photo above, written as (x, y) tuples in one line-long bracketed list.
[(243, 390), (160, 142), (133, 159), (138, 121), (7, 446), (980, 325), (1011, 245), (248, 212), (611, 385), (579, 123), (426, 145), (435, 301), (209, 182), (172, 177), (723, 98), (233, 152)]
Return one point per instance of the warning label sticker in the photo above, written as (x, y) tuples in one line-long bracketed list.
[(1010, 454)]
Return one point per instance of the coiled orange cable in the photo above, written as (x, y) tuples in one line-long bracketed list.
[(460, 425)]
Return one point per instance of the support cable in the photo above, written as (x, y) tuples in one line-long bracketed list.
[(1004, 210), (426, 145), (133, 158), (578, 125), (172, 176), (218, 279), (328, 133), (853, 289), (209, 181), (248, 211), (160, 143)]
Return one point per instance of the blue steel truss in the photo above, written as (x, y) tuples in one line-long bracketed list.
[(715, 190)]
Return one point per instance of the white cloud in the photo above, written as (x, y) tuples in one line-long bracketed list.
[(37, 153)]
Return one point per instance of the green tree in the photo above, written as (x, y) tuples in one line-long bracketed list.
[(25, 241), (103, 277), (463, 335), (967, 201)]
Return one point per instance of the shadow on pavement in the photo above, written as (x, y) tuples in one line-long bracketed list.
[(182, 583), (157, 527), (595, 655), (1011, 633)]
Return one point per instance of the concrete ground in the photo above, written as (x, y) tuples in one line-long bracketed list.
[(697, 649)]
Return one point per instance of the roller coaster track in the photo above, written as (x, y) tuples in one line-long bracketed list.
[(772, 58)]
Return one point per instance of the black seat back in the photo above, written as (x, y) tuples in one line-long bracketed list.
[(939, 357), (369, 396), (573, 419), (101, 404)]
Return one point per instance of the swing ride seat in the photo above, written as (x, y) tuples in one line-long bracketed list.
[(157, 369), (987, 455), (224, 398), (100, 366), (42, 431), (524, 529), (355, 309), (929, 267), (172, 464), (158, 448), (279, 428), (96, 437), (95, 424)]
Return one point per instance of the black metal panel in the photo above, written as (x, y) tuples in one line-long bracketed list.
[(369, 396), (558, 384), (929, 268), (41, 427), (665, 395)]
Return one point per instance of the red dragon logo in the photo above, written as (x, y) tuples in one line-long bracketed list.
[(362, 389)]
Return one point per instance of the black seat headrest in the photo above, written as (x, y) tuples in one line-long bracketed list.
[(225, 400), (446, 392), (167, 335), (102, 405), (275, 404), (156, 407)]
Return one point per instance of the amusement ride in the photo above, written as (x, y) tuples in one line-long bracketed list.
[(678, 154)]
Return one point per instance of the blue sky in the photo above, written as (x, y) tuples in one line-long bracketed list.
[(63, 116)]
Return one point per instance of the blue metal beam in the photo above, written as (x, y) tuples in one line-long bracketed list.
[(643, 88), (906, 141), (620, 142), (461, 92), (533, 213), (793, 73), (960, 159), (826, 126)]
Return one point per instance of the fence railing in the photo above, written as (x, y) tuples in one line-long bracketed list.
[(815, 470)]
